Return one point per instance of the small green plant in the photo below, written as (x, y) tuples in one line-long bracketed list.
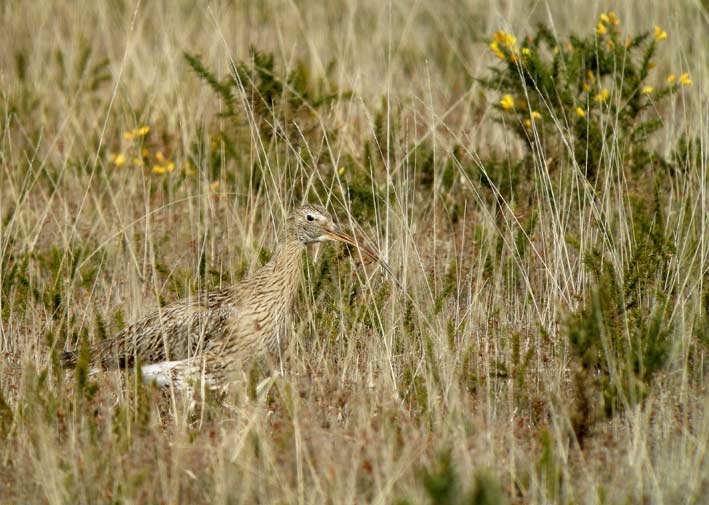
[(617, 352), (444, 486), (257, 91)]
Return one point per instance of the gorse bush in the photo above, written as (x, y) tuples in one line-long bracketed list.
[(257, 91), (587, 100), (591, 89)]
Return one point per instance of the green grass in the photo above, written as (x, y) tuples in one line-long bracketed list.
[(550, 342)]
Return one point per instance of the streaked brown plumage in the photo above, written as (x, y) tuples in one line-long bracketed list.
[(212, 335)]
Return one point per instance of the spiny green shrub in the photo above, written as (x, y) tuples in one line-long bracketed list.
[(592, 88), (275, 98), (444, 486), (620, 337), (617, 351)]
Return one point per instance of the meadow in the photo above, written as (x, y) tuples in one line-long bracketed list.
[(535, 173)]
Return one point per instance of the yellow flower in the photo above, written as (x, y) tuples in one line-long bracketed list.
[(580, 112), (507, 102), (604, 18), (144, 152), (138, 162), (586, 87), (671, 78), (590, 76), (610, 44), (505, 39), (602, 96), (647, 90), (526, 51), (341, 171), (163, 165), (536, 115), (213, 186), (660, 34), (614, 20), (136, 132), (684, 79), (527, 123), (496, 49), (601, 29), (117, 159)]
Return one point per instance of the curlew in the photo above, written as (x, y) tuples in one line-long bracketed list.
[(209, 337)]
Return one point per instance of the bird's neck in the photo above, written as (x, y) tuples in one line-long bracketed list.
[(285, 266), (287, 254)]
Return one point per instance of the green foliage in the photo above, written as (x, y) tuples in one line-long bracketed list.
[(591, 88), (620, 335), (15, 288), (443, 485), (257, 91), (284, 109), (619, 351), (84, 386), (414, 390), (548, 467), (6, 417)]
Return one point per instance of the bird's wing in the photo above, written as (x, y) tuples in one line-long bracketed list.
[(174, 332)]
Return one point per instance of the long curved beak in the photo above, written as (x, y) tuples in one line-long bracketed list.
[(366, 251)]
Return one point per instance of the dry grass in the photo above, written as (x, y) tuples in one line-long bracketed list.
[(474, 360)]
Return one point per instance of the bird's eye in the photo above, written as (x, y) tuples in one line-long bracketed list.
[(310, 217)]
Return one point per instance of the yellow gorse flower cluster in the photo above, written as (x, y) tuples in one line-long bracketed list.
[(140, 155), (610, 18), (683, 79), (607, 19), (602, 96), (660, 34), (163, 165), (535, 116), (117, 159), (504, 40), (507, 102), (136, 133)]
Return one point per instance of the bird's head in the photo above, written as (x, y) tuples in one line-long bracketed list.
[(312, 223)]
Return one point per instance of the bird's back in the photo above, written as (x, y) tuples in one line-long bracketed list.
[(177, 331), (241, 320)]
